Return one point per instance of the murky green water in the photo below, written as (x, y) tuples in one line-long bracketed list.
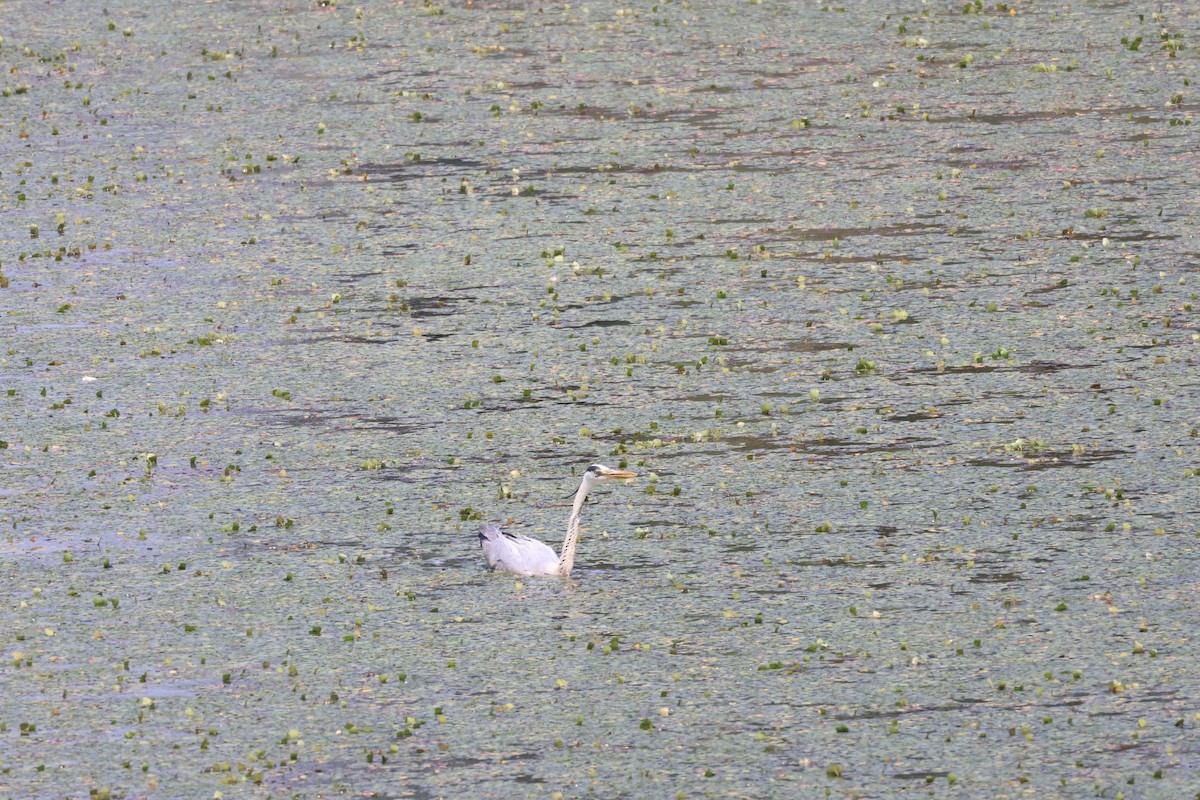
[(891, 307)]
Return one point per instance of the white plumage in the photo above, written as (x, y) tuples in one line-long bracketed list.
[(507, 552), (522, 555)]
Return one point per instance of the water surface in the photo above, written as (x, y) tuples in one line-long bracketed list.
[(892, 309)]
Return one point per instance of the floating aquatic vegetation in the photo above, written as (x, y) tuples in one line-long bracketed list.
[(341, 235)]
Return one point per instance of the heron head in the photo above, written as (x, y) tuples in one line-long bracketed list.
[(597, 471)]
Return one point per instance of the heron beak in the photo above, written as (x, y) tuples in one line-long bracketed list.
[(618, 473)]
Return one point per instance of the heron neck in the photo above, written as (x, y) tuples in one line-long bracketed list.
[(567, 560)]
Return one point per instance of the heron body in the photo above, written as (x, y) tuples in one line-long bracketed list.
[(522, 555), (508, 552)]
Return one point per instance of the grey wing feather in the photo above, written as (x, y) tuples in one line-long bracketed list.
[(507, 552)]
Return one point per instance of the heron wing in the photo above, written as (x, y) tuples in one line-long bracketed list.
[(507, 552)]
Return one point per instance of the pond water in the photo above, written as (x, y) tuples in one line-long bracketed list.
[(890, 305)]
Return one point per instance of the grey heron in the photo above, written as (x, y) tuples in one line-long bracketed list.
[(509, 552)]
